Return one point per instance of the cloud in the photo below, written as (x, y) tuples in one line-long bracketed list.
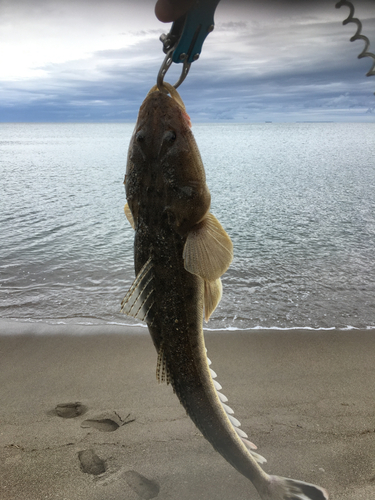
[(291, 62)]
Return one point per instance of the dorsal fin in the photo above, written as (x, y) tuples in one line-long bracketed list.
[(212, 297), (129, 215), (139, 300), (162, 372), (208, 250)]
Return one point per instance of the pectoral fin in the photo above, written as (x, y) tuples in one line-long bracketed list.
[(140, 298), (212, 296), (208, 250), (129, 215)]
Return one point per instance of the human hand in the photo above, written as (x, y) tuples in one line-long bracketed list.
[(170, 10)]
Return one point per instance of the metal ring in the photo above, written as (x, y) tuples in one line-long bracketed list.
[(164, 68)]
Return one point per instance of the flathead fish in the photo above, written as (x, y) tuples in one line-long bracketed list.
[(181, 251)]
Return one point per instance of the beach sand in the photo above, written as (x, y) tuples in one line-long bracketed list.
[(306, 398)]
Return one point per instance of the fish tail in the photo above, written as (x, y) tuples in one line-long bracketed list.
[(281, 488)]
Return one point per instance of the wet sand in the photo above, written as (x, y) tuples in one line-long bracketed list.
[(82, 416)]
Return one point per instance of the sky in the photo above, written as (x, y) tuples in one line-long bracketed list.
[(269, 60)]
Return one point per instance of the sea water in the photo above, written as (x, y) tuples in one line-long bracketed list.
[(297, 199)]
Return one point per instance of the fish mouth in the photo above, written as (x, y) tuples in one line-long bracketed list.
[(169, 98), (171, 91)]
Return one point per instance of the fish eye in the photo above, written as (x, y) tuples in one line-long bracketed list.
[(140, 136), (170, 136)]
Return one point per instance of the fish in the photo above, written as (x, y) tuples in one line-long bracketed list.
[(180, 253)]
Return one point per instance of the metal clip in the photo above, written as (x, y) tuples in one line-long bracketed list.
[(183, 44)]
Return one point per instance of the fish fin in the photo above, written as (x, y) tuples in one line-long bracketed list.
[(212, 295), (129, 215), (222, 397), (236, 424), (227, 408), (289, 489), (258, 458), (217, 386), (234, 421), (249, 444), (208, 250), (162, 372), (240, 432), (139, 300)]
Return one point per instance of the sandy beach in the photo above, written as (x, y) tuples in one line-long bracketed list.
[(82, 416)]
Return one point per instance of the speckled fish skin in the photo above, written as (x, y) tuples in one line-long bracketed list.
[(168, 197)]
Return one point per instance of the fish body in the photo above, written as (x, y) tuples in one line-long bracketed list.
[(180, 252)]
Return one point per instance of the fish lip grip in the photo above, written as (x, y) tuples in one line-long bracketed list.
[(183, 44)]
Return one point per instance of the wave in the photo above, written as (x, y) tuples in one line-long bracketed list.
[(289, 328), (84, 327)]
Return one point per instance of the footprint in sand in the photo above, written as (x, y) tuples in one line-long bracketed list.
[(106, 423), (145, 488), (69, 410), (91, 463)]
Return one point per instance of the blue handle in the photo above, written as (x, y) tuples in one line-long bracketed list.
[(199, 23)]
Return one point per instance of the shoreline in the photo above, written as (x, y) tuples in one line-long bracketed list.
[(42, 327), (306, 401)]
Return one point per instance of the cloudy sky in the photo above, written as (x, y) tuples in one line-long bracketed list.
[(276, 60)]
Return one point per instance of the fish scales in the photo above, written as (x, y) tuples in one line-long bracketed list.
[(180, 252)]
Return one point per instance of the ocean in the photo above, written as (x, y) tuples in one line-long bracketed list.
[(297, 199)]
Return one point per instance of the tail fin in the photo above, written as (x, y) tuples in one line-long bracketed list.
[(281, 488)]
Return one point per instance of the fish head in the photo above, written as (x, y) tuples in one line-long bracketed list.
[(165, 173)]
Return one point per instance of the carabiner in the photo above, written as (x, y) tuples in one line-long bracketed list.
[(164, 68), (183, 44)]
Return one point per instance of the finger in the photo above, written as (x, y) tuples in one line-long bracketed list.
[(170, 10)]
